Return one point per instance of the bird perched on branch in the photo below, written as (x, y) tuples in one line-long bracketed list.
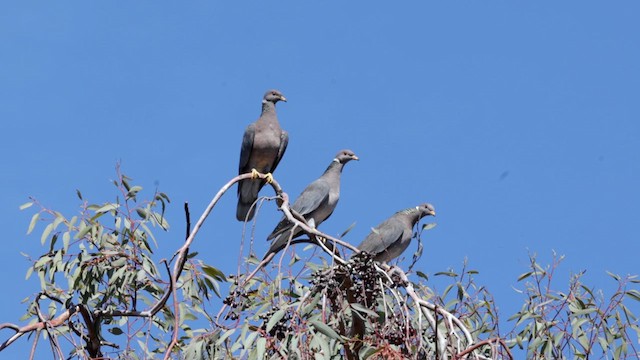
[(316, 202), (263, 145), (392, 237)]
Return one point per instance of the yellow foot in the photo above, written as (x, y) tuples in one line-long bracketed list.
[(269, 178), (255, 174)]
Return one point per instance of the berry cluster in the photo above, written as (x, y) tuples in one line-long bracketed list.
[(365, 279), (281, 328), (237, 301), (357, 281), (396, 331)]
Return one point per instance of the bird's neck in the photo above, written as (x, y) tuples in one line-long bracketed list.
[(413, 214), (268, 107), (334, 168)]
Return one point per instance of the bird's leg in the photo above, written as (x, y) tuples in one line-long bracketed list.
[(255, 174), (269, 178)]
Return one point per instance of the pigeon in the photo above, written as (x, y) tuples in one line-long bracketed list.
[(389, 239), (263, 145), (316, 202)]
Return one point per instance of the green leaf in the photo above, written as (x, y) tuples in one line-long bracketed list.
[(261, 348), (142, 213), (616, 277), (248, 342), (366, 352), (84, 229), (46, 233), (275, 318), (525, 275), (106, 208), (348, 229), (32, 223), (422, 275), (59, 219), (307, 309), (634, 294), (214, 273), (115, 331), (361, 309), (66, 237), (325, 329), (428, 226), (603, 343), (26, 205), (134, 190), (446, 273), (225, 336)]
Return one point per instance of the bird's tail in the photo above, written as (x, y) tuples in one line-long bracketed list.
[(247, 194)]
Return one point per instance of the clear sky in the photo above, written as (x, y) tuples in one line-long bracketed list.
[(519, 121)]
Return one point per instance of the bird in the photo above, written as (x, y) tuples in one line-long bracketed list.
[(316, 202), (392, 237), (263, 146)]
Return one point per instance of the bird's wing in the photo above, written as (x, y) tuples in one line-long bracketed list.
[(312, 197), (246, 148), (284, 141), (382, 237)]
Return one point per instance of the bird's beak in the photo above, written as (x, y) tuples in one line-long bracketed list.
[(355, 158), (283, 98), (433, 213)]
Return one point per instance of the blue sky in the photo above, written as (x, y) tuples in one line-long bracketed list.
[(519, 121)]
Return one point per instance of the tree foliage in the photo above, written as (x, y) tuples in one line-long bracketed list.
[(105, 294)]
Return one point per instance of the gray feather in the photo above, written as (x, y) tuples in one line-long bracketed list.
[(316, 202), (391, 238), (263, 146)]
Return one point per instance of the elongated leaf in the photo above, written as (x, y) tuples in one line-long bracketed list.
[(261, 348), (361, 309), (225, 336), (634, 294), (616, 277), (446, 273), (115, 331), (32, 223), (525, 275), (275, 318), (26, 205), (366, 352), (84, 229), (348, 229), (429, 226), (46, 233), (107, 208), (66, 237), (214, 273), (325, 329), (422, 275)]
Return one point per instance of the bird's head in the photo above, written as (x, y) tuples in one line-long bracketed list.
[(273, 96), (344, 156), (426, 210)]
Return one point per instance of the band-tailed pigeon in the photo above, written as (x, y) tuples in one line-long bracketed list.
[(263, 145), (316, 202), (389, 239)]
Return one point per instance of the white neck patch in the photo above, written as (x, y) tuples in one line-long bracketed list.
[(336, 160)]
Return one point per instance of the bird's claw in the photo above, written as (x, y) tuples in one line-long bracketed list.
[(255, 174), (269, 178)]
